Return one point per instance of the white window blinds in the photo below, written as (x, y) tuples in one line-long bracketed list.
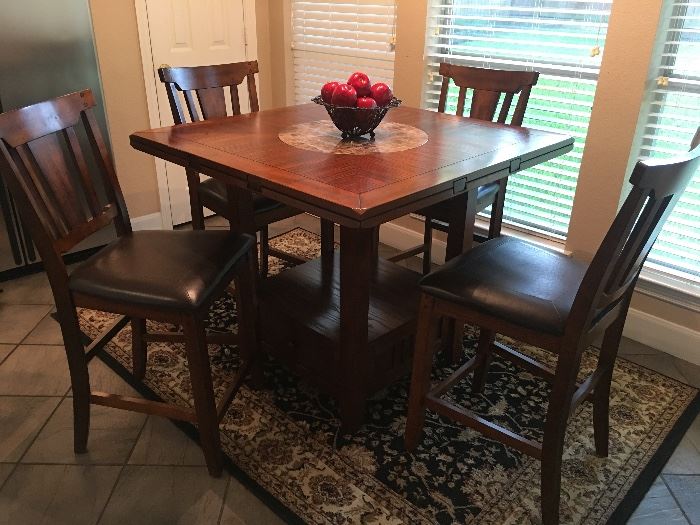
[(332, 40), (560, 39), (672, 119)]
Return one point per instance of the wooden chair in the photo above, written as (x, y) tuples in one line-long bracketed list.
[(488, 87), (169, 276), (205, 87), (545, 299)]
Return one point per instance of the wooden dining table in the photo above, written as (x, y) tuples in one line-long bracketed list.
[(345, 321)]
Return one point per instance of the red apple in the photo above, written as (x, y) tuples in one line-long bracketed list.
[(361, 83), (366, 103), (381, 93), (344, 95), (327, 91)]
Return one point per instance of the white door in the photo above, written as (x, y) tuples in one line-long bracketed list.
[(192, 33)]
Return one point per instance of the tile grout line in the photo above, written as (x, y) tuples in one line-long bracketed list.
[(63, 398), (17, 345), (32, 395), (223, 500), (10, 352), (19, 460), (678, 503), (121, 471)]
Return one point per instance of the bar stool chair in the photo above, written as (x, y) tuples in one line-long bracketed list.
[(65, 193), (551, 301), (204, 89), (488, 87)]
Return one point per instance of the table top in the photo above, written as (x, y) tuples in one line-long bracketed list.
[(353, 190)]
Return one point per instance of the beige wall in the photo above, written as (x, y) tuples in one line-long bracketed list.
[(625, 75), (409, 67), (119, 57), (274, 53)]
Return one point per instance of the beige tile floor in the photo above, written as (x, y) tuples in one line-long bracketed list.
[(144, 470)]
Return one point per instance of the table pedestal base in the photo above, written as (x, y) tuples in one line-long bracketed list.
[(300, 316)]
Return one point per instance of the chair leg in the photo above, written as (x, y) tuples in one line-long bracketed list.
[(264, 250), (196, 207), (427, 245), (554, 433), (138, 348), (79, 376), (601, 394), (248, 319), (457, 341), (486, 339), (497, 210), (422, 366), (203, 393)]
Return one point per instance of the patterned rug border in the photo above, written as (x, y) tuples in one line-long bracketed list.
[(620, 515), (653, 468)]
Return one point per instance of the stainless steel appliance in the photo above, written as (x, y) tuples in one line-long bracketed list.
[(46, 50)]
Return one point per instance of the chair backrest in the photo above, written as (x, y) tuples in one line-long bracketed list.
[(488, 86), (208, 84), (656, 187), (52, 178)]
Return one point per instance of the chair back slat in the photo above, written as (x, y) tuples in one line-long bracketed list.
[(85, 229), (490, 87), (461, 99), (484, 104), (252, 92), (51, 168), (235, 100), (212, 102), (505, 108), (191, 106), (635, 247), (657, 185), (105, 168), (203, 86), (444, 88), (37, 191), (49, 177), (521, 106), (78, 158)]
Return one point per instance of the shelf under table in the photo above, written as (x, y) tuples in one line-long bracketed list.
[(300, 312)]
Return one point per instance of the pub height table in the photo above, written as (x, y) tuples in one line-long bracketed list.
[(345, 322)]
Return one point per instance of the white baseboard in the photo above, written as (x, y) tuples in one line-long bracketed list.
[(666, 336), (670, 338), (152, 221), (403, 238)]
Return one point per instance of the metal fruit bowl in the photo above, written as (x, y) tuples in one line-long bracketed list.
[(355, 122)]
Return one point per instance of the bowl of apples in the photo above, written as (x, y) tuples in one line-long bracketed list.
[(357, 106)]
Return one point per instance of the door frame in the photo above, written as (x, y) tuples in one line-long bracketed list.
[(151, 81)]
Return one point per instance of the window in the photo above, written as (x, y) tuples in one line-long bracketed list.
[(331, 40), (560, 39), (673, 115)]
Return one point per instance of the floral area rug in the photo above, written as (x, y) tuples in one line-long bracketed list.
[(284, 440)]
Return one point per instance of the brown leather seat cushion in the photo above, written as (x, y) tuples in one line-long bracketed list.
[(213, 195), (484, 198), (161, 269), (511, 279)]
